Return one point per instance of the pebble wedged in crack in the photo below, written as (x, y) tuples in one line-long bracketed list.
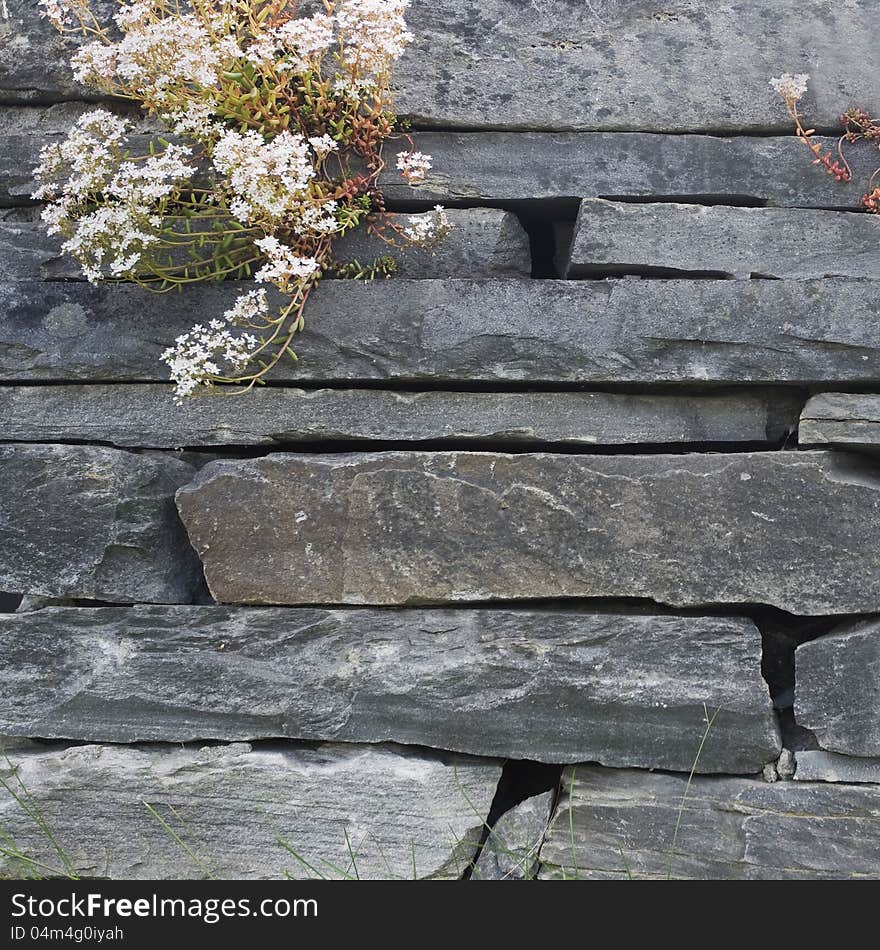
[(234, 805), (91, 522), (147, 416), (410, 528), (511, 850), (551, 686), (506, 64), (620, 237), (850, 420), (836, 693), (484, 242), (534, 331), (622, 823)]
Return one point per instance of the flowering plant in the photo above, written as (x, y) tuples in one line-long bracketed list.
[(277, 123), (858, 125)]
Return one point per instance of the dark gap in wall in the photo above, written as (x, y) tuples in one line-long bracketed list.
[(410, 385), (711, 201), (9, 602), (520, 779), (607, 271), (781, 635), (500, 446), (30, 602)]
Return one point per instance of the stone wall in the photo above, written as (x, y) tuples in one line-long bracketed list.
[(584, 502)]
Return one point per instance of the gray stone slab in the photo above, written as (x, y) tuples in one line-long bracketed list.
[(836, 692), (409, 528), (477, 167), (566, 64), (146, 416), (820, 766), (523, 166), (511, 850), (551, 686), (617, 237), (90, 522), (850, 420), (622, 823), (484, 242), (616, 331), (233, 806)]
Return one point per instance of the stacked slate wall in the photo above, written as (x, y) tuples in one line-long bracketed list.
[(586, 500)]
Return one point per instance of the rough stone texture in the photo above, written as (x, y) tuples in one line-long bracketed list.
[(528, 166), (28, 253), (511, 851), (552, 686), (616, 331), (484, 242), (850, 420), (621, 823), (234, 803), (820, 766), (568, 64), (146, 415), (84, 521), (837, 695), (407, 528), (613, 237)]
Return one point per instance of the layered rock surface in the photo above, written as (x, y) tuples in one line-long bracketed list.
[(243, 812), (550, 686), (405, 528), (91, 522), (627, 824), (147, 416), (498, 331)]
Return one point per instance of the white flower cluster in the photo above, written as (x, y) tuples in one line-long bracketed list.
[(791, 88), (156, 55), (373, 33), (428, 228), (301, 42), (413, 166), (194, 359), (267, 179), (283, 266), (57, 12), (111, 237)]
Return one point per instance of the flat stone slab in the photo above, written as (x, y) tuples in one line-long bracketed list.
[(551, 686), (850, 420), (415, 528), (606, 64), (821, 766), (836, 692), (243, 811), (97, 523), (484, 242), (476, 167), (147, 416), (622, 823), (532, 331), (511, 850), (618, 238)]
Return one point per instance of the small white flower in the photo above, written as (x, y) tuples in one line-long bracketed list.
[(427, 229), (790, 87), (283, 267), (414, 166), (323, 145)]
